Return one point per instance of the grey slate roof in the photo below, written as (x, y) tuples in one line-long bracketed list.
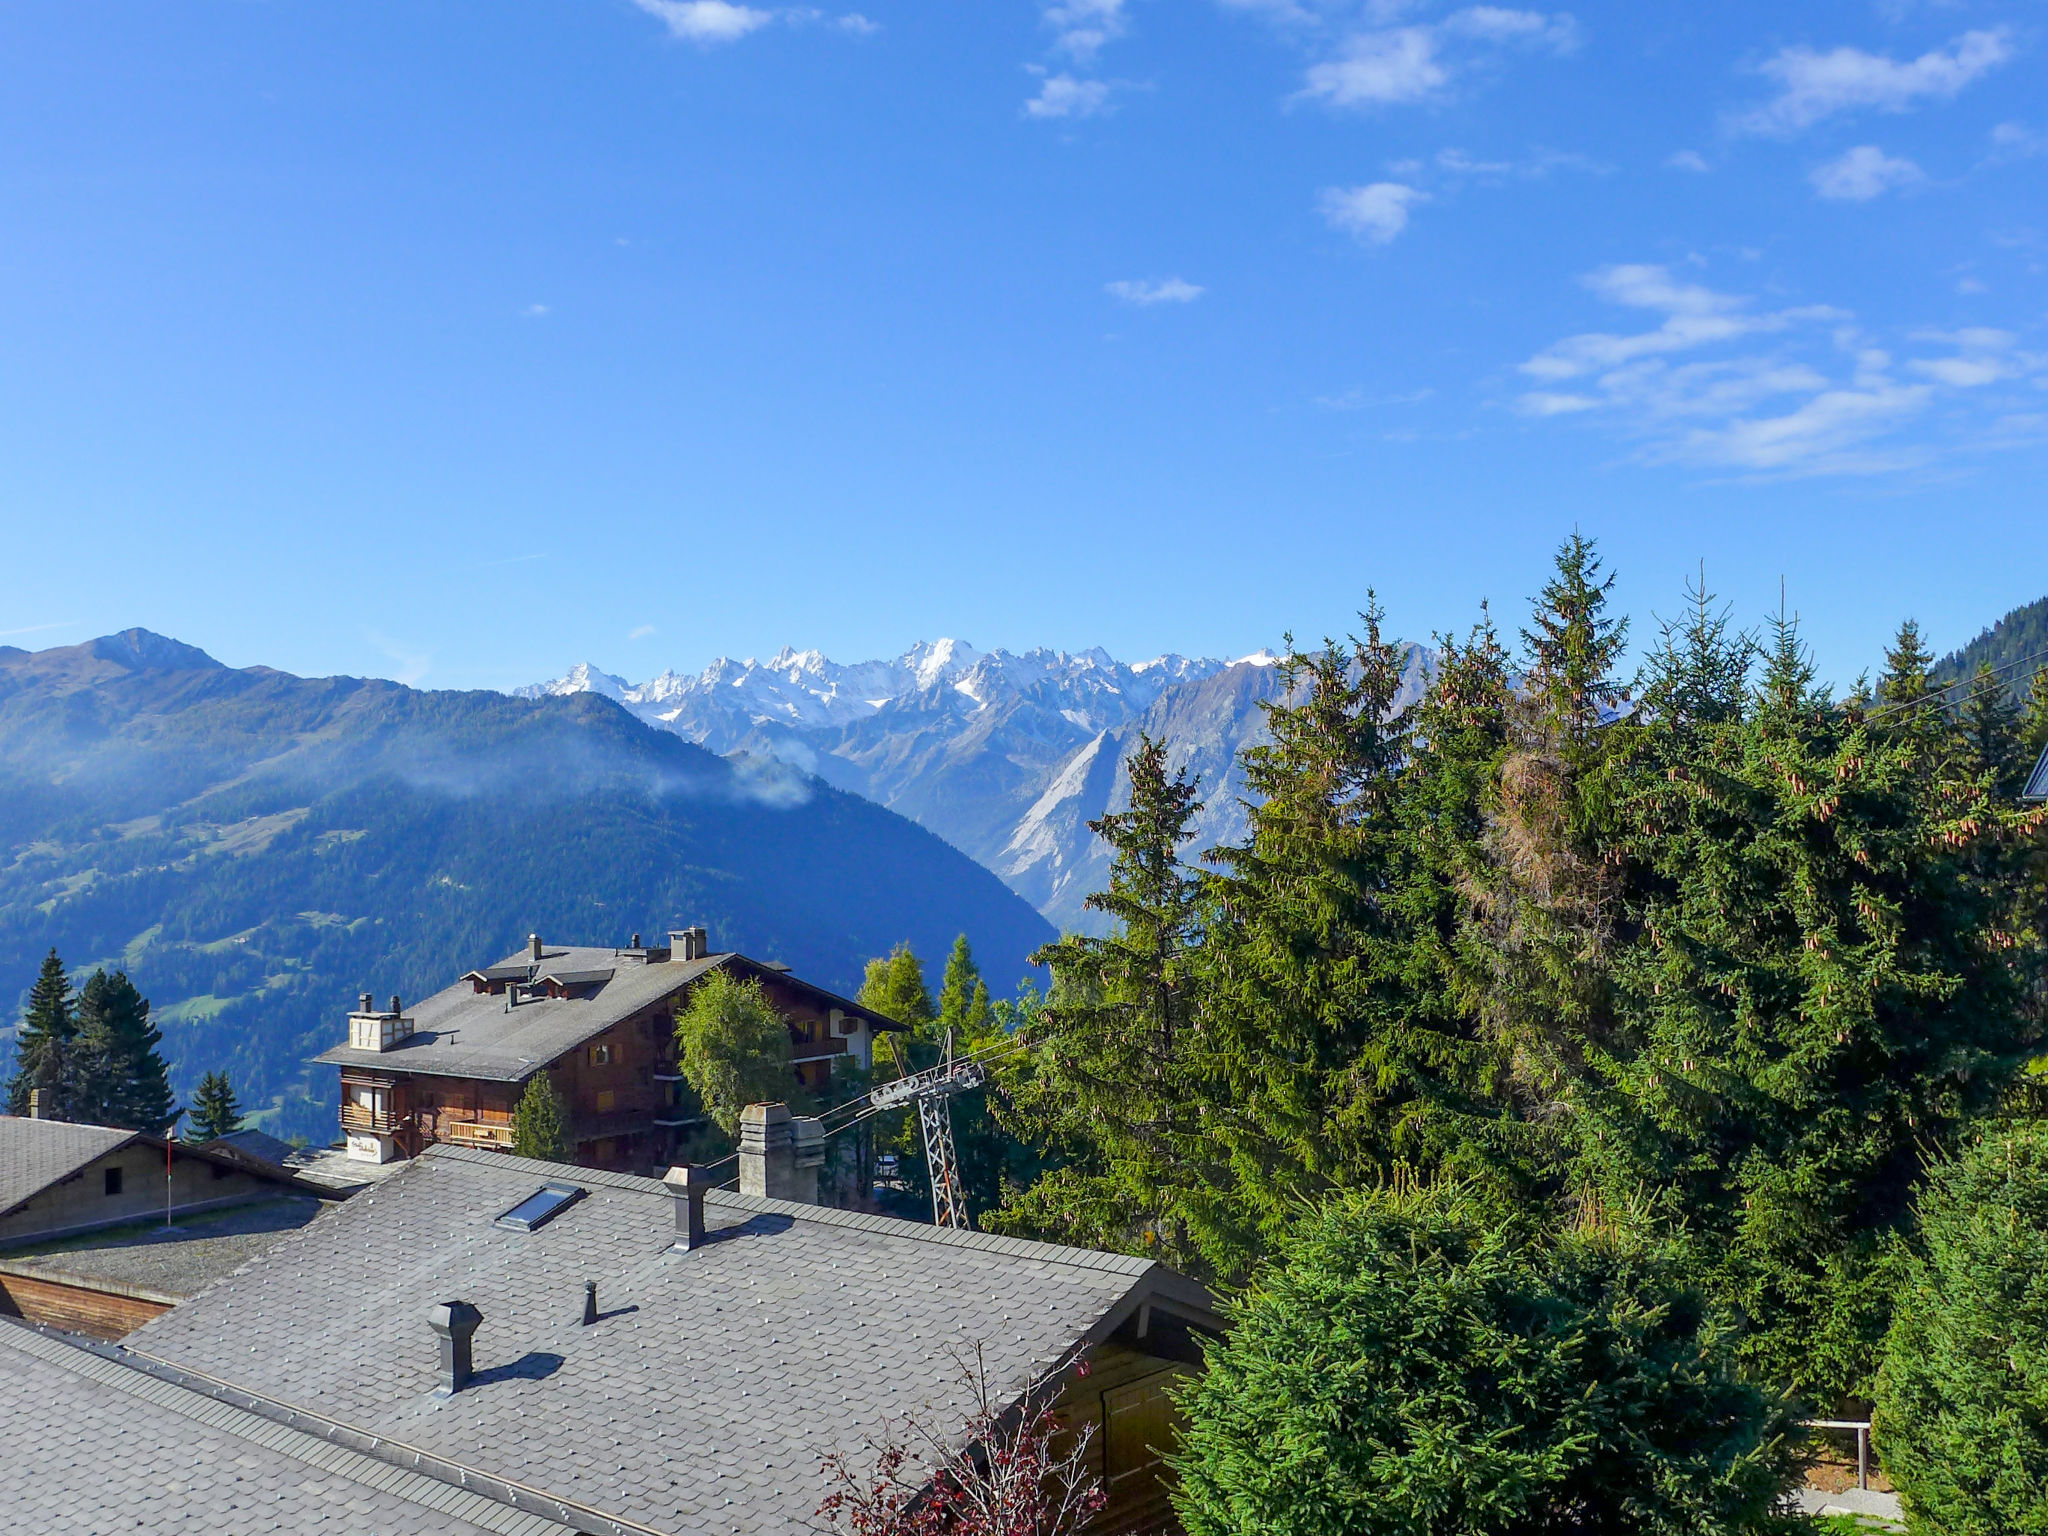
[(89, 1446), (717, 1380), (257, 1144), (34, 1154), (162, 1263), (460, 1032)]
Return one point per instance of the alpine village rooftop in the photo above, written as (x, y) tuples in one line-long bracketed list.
[(599, 1021)]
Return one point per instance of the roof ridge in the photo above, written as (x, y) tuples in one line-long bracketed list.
[(825, 1215)]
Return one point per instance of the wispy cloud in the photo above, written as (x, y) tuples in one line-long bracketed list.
[(1688, 160), (1171, 290), (1393, 65), (1813, 86), (707, 21), (642, 632), (1373, 214), (33, 629), (1065, 95), (1082, 27), (2016, 141), (534, 311), (1720, 383), (1863, 173)]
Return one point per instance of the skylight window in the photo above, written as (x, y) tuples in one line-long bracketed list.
[(540, 1207)]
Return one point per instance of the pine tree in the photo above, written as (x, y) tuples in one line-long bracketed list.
[(43, 1045), (540, 1122), (1989, 722), (1105, 1092), (1698, 673), (122, 1079), (214, 1110), (1309, 1045), (1546, 900), (1812, 992), (964, 1006)]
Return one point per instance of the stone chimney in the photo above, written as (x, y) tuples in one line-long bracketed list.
[(456, 1323), (35, 1103), (533, 948), (687, 1186), (688, 943), (780, 1153)]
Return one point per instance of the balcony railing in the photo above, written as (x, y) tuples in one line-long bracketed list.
[(476, 1133), (355, 1117)]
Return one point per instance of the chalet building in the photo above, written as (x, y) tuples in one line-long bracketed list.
[(599, 1021), (80, 1204), (533, 1346)]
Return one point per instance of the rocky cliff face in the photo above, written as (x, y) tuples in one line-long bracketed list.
[(1007, 757)]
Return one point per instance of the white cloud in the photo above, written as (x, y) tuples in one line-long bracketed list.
[(1817, 85), (2016, 141), (534, 311), (641, 632), (706, 21), (1704, 388), (1688, 160), (1387, 66), (1495, 24), (1172, 290), (1374, 214), (853, 21), (1067, 96), (1081, 27), (1863, 173), (1379, 68)]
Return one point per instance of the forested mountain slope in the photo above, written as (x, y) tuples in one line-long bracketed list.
[(257, 848)]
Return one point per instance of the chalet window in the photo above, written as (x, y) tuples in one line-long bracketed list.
[(113, 1181), (601, 1055), (605, 1100)]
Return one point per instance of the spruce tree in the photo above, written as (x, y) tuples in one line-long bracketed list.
[(540, 1122), (215, 1113), (1309, 1046), (122, 1079), (1547, 899), (1106, 1090), (43, 1045), (1813, 991)]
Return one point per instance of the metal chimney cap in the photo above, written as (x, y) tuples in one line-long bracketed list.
[(456, 1319)]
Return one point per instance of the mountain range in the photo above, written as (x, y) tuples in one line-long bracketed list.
[(257, 848), (1006, 756)]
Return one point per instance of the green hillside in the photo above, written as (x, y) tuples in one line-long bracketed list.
[(2006, 646), (256, 849)]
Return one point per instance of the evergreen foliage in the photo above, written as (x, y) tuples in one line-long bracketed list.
[(120, 1076), (540, 1122), (2006, 647), (1721, 962), (214, 1110), (1105, 1091), (1962, 1401), (1408, 1370), (734, 1049), (43, 1045)]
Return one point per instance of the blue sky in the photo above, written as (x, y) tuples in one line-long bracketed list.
[(459, 343)]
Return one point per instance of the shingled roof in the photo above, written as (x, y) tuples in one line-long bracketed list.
[(89, 1445), (461, 1032), (34, 1154), (716, 1381)]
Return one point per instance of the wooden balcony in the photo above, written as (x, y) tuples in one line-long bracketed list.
[(356, 1118), (475, 1133)]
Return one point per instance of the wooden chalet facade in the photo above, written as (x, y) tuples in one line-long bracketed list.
[(599, 1021)]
